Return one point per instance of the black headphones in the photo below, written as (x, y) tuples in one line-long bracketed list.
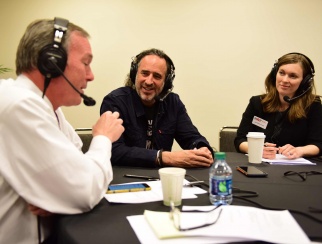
[(54, 52), (307, 80), (168, 83)]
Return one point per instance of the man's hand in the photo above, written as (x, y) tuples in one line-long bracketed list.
[(110, 125), (201, 157), (38, 211)]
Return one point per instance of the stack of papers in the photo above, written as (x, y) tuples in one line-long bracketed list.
[(282, 160), (155, 194), (236, 223)]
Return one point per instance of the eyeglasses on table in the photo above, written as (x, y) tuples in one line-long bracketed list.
[(212, 217), (302, 175)]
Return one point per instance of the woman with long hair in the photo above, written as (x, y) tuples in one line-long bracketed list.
[(289, 113)]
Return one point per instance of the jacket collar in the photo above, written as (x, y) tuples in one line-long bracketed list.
[(139, 107)]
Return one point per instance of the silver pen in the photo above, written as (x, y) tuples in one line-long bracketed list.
[(141, 177)]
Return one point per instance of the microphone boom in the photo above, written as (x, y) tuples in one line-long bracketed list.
[(88, 101), (289, 100)]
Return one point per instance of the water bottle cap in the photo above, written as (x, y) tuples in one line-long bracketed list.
[(220, 155)]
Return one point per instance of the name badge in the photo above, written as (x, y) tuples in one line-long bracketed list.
[(260, 122)]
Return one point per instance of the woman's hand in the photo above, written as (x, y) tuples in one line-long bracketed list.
[(270, 150), (291, 152)]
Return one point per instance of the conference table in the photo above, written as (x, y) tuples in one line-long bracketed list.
[(107, 223)]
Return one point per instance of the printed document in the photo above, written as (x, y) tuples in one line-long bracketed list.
[(236, 223)]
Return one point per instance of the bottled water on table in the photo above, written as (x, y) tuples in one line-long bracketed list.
[(220, 181)]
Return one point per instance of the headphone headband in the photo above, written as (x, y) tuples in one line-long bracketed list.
[(306, 57), (54, 51), (60, 27)]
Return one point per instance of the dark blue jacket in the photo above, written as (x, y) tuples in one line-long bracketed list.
[(171, 122)]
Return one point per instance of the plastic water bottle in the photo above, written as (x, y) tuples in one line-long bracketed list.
[(220, 181)]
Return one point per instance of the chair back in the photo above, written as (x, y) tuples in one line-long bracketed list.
[(86, 136), (227, 135)]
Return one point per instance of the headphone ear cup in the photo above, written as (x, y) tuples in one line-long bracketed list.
[(306, 83), (170, 77), (273, 73), (168, 83), (49, 54), (133, 71)]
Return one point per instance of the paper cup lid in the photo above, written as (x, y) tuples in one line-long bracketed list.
[(172, 171), (256, 134)]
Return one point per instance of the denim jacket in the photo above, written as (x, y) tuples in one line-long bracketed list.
[(171, 122)]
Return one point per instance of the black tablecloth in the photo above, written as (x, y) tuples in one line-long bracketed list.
[(107, 222)]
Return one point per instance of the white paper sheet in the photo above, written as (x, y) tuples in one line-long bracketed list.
[(155, 194), (236, 223), (282, 160), (146, 235)]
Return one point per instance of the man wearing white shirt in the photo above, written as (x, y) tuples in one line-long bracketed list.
[(43, 170)]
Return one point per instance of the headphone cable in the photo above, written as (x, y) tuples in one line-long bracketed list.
[(255, 194), (39, 229)]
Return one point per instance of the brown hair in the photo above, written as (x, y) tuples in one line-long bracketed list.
[(270, 100)]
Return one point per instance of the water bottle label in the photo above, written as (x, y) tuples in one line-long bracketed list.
[(221, 187)]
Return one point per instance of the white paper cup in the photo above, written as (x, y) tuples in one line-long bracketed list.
[(172, 183), (255, 147)]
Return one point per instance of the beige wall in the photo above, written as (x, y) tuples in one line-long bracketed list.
[(222, 49)]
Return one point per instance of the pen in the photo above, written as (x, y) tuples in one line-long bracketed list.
[(276, 149), (141, 177), (192, 183)]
